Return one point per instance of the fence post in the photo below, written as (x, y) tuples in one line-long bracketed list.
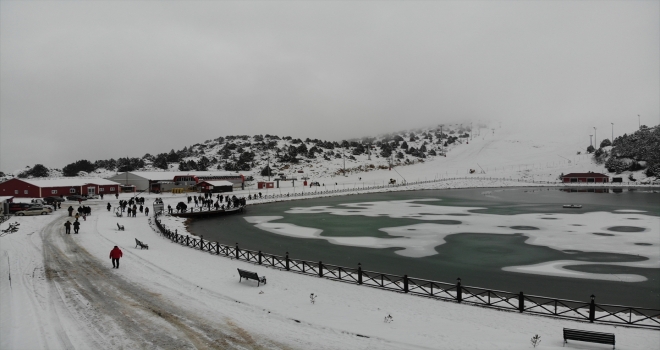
[(359, 273), (217, 248), (260, 257), (405, 283), (188, 241), (287, 261), (459, 292), (320, 268), (201, 242), (521, 302), (236, 251), (592, 309)]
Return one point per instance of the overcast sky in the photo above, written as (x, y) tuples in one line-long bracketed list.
[(97, 80)]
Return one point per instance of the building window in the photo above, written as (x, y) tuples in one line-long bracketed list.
[(15, 191), (112, 189), (25, 191), (53, 191), (72, 190), (101, 189)]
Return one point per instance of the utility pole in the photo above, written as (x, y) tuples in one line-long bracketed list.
[(269, 168), (639, 122), (612, 133), (591, 141), (369, 151)]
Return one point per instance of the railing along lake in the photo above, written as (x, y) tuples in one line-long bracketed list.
[(456, 292)]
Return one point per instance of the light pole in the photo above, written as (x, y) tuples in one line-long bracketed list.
[(639, 122), (595, 137), (591, 140), (612, 133)]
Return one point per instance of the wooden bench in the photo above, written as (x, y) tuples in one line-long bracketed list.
[(142, 245), (251, 275), (120, 227), (588, 336)]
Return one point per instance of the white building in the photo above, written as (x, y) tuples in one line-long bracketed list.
[(161, 181)]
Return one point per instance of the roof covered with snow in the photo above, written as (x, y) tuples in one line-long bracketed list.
[(169, 175), (218, 183), (585, 175), (68, 181)]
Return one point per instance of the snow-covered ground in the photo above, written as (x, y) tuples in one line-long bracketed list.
[(59, 291)]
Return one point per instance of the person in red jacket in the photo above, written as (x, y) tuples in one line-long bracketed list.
[(115, 254)]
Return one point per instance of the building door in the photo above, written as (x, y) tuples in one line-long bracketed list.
[(91, 190)]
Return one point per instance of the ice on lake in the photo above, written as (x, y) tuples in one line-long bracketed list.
[(565, 232)]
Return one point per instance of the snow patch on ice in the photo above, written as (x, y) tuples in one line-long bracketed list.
[(556, 268)]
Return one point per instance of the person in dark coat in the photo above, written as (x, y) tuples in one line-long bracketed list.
[(70, 210), (146, 211), (116, 195), (109, 206), (76, 227), (67, 227), (115, 254), (101, 196), (129, 212)]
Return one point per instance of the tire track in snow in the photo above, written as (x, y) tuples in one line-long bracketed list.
[(113, 312)]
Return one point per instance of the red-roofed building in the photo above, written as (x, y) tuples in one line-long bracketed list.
[(585, 177), (39, 188)]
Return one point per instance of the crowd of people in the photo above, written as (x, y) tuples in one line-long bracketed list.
[(82, 212), (206, 200), (130, 207)]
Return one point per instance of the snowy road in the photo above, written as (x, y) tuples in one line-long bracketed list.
[(115, 313)]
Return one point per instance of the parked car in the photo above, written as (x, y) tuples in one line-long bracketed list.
[(14, 207), (76, 197), (38, 206), (53, 199), (34, 211)]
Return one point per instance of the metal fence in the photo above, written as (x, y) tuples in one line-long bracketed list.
[(355, 188), (456, 292)]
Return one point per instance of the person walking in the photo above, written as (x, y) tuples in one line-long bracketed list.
[(146, 211), (116, 195), (77, 216), (115, 254), (109, 206), (129, 212), (76, 227), (67, 227), (70, 210)]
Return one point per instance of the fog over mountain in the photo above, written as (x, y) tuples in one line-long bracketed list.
[(98, 80)]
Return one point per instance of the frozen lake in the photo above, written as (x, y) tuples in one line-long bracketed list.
[(507, 239)]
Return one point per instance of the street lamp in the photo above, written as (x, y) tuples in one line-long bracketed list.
[(595, 138)]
